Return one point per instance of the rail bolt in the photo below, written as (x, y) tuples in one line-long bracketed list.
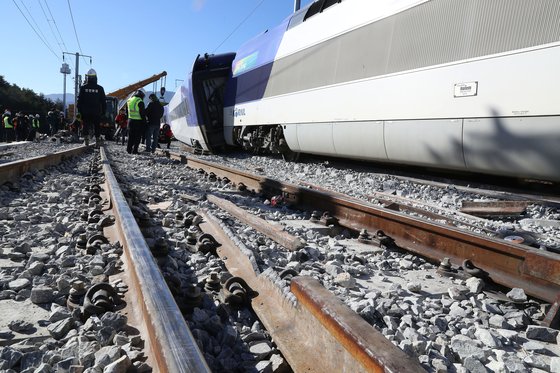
[(94, 243), (81, 242), (445, 268), (95, 198), (241, 187), (76, 295), (288, 274), (212, 283), (207, 243), (192, 298), (364, 236), (384, 239), (327, 219), (100, 298), (192, 235), (315, 216), (95, 189), (236, 291), (212, 176), (472, 270), (189, 219), (94, 216)]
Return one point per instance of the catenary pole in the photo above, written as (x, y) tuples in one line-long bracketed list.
[(77, 78)]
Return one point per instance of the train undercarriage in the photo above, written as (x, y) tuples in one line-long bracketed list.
[(264, 140)]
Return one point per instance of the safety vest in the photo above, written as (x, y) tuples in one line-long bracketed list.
[(35, 123), (133, 104), (7, 123)]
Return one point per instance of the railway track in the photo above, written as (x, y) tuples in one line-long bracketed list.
[(312, 319), (508, 264)]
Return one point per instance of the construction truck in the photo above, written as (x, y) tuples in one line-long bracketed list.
[(117, 99)]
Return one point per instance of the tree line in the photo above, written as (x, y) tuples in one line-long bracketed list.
[(18, 99)]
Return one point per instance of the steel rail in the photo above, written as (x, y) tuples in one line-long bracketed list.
[(12, 171), (175, 348), (319, 333), (508, 264)]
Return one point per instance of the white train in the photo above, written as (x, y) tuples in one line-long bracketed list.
[(468, 85)]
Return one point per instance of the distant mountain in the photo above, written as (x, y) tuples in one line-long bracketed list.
[(70, 96), (59, 96)]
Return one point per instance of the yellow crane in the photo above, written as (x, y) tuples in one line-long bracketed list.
[(122, 93), (117, 99)]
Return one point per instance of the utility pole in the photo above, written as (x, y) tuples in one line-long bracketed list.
[(76, 77), (65, 70)]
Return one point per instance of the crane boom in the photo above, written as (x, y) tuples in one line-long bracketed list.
[(122, 93)]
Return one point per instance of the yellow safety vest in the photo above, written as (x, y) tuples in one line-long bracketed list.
[(7, 123), (133, 104), (35, 123)]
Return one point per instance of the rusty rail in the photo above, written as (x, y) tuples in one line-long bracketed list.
[(319, 333), (508, 264), (175, 348), (12, 171)]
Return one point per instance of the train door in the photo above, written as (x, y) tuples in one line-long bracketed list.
[(208, 89)]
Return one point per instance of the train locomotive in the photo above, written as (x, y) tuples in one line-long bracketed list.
[(468, 85)]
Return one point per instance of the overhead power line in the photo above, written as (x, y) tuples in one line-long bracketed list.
[(35, 22), (239, 25), (36, 33), (55, 25), (75, 32)]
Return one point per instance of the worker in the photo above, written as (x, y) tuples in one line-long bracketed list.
[(136, 120), (8, 126), (91, 106), (2, 133), (21, 123), (52, 120), (154, 112), (122, 121), (33, 133), (76, 127)]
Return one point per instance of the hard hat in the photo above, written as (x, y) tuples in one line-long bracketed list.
[(91, 72), (140, 93), (152, 96), (7, 112), (37, 116)]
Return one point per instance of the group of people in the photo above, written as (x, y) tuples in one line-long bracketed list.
[(136, 120), (143, 122), (27, 127), (19, 127)]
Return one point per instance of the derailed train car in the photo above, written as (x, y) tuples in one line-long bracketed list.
[(466, 85)]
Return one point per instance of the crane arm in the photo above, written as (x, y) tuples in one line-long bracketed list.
[(122, 93)]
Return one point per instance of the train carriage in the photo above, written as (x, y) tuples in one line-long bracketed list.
[(466, 85)]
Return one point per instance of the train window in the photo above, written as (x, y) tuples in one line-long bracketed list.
[(314, 9), (329, 3), (318, 6)]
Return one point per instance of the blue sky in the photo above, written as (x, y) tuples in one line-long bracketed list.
[(129, 40)]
